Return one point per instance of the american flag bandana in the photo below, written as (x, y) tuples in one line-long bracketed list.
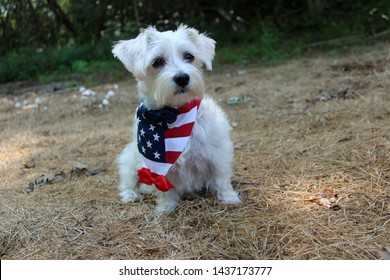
[(162, 137)]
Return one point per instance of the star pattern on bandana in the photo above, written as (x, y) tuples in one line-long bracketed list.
[(151, 138), (156, 137)]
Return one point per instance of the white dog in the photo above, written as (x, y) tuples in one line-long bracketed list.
[(181, 140)]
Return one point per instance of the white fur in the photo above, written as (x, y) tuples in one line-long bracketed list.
[(207, 159)]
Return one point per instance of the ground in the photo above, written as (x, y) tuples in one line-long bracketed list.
[(312, 165)]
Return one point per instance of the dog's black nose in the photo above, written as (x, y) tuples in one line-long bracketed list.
[(182, 79)]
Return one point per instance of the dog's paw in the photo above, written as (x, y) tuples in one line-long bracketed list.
[(128, 195), (230, 198), (165, 208)]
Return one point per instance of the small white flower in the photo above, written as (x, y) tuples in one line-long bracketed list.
[(109, 94), (26, 102), (88, 93), (38, 101), (18, 105), (106, 102), (242, 72), (85, 95), (81, 89), (116, 86)]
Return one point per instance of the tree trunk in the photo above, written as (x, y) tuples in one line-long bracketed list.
[(102, 18), (61, 17), (136, 14), (315, 8)]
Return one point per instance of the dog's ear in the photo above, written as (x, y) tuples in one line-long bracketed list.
[(132, 54), (205, 45)]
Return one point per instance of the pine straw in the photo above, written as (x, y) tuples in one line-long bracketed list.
[(288, 145)]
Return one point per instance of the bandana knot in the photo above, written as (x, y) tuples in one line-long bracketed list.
[(165, 115)]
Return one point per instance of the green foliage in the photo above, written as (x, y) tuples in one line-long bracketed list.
[(271, 43), (262, 42), (29, 64), (49, 38)]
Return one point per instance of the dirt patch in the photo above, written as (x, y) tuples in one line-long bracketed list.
[(313, 170)]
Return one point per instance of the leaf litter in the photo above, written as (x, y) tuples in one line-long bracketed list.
[(324, 197), (280, 151), (79, 169)]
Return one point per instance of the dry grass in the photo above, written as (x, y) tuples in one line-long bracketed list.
[(288, 145)]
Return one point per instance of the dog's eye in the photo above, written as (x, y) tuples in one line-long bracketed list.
[(189, 57), (158, 63)]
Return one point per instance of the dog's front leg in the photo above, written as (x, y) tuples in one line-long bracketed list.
[(127, 163), (222, 185)]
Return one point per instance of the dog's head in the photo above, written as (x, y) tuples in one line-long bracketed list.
[(168, 65)]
